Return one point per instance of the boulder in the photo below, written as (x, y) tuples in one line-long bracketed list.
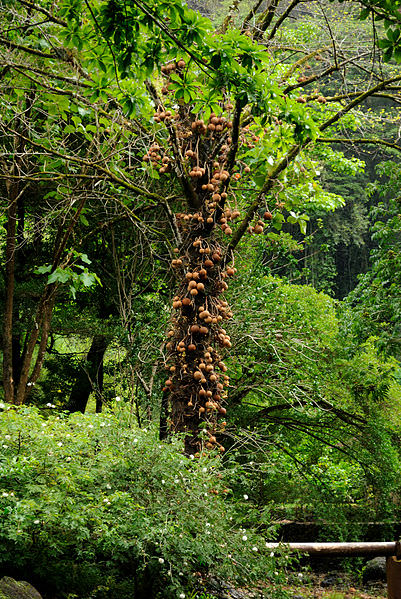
[(17, 589), (374, 570)]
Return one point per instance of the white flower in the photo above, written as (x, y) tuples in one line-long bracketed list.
[(276, 573), (244, 538), (68, 459), (7, 437), (191, 457), (108, 486), (254, 548), (29, 384), (90, 425), (5, 446), (245, 497), (161, 560), (272, 553), (60, 444), (207, 523), (102, 424), (36, 521), (4, 494), (180, 573), (48, 405), (182, 595), (135, 440), (204, 469), (118, 398), (2, 406), (300, 575), (163, 481)]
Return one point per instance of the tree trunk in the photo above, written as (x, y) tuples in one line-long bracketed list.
[(90, 377), (8, 378), (195, 386)]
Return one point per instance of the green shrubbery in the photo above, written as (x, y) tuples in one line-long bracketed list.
[(91, 506)]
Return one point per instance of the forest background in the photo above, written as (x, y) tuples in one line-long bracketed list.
[(248, 153)]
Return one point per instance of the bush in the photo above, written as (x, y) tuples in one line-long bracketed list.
[(92, 505)]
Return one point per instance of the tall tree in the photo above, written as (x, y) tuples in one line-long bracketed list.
[(219, 140)]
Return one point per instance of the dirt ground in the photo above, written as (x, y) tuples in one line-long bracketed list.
[(320, 586)]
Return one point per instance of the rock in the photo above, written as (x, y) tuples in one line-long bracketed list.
[(374, 570), (17, 589), (330, 581)]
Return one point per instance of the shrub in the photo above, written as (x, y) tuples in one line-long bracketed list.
[(90, 503)]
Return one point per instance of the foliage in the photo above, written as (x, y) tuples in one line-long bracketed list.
[(313, 419), (375, 301), (90, 502)]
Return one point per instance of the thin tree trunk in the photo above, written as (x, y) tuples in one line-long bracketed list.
[(90, 377), (41, 328), (8, 379)]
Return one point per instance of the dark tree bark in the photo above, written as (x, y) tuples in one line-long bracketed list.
[(90, 377), (8, 378)]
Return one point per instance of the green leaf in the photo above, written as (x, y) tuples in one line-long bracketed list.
[(364, 14), (87, 279), (84, 257), (388, 54), (43, 269)]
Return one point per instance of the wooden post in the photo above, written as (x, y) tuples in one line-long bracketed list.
[(393, 577)]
